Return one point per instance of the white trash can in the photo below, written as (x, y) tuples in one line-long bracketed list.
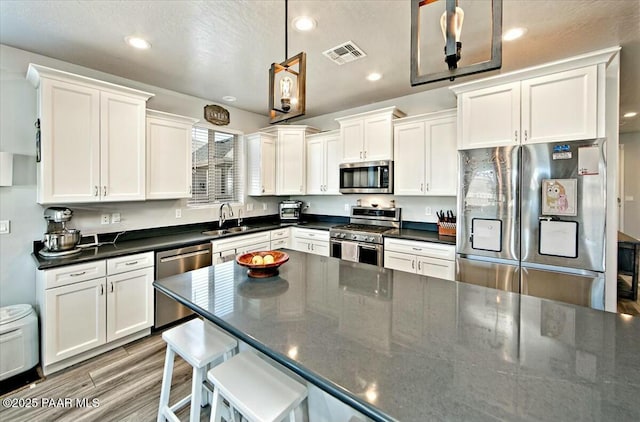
[(18, 340)]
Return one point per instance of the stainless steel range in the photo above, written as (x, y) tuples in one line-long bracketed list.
[(362, 239)]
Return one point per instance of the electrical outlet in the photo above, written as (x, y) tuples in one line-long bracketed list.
[(115, 217), (264, 206), (427, 211), (105, 219), (5, 227), (250, 206), (346, 207), (178, 212)]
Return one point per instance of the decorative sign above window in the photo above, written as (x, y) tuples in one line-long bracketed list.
[(216, 115)]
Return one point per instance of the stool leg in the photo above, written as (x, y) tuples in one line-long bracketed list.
[(196, 394), (166, 383), (216, 406)]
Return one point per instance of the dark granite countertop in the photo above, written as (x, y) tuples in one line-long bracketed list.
[(422, 236), (402, 347)]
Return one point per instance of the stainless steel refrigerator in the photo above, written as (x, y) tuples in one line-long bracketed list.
[(532, 220)]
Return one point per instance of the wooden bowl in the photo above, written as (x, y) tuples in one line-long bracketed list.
[(262, 270)]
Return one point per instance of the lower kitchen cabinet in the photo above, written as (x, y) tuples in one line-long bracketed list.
[(280, 238), (424, 258), (226, 249), (129, 303), (310, 241), (74, 320), (85, 310)]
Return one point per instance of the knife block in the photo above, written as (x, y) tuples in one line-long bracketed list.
[(447, 229)]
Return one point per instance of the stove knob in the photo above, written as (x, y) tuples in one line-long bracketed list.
[(371, 238), (342, 235)]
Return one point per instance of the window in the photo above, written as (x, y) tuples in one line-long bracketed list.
[(216, 167)]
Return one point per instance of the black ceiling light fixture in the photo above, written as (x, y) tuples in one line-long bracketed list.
[(287, 82), (483, 45)]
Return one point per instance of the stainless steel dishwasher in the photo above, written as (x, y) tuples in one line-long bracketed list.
[(172, 262)]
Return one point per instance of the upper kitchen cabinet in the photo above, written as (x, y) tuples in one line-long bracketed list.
[(368, 136), (425, 154), (168, 155), (555, 102), (261, 164), (291, 157), (91, 141), (323, 163)]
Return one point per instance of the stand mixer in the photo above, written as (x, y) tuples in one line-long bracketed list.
[(58, 240)]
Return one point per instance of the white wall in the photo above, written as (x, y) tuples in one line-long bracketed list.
[(18, 202), (413, 208), (631, 142)]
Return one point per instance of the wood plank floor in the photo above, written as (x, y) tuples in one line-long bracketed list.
[(126, 381)]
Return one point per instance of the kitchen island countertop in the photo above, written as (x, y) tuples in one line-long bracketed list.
[(399, 346)]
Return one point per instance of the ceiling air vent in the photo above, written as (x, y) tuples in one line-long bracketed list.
[(344, 53)]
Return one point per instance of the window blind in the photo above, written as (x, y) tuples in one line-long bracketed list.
[(216, 171)]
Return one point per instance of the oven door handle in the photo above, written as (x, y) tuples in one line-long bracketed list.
[(366, 246)]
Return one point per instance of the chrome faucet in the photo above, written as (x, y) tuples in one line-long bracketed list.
[(222, 217), (239, 217)]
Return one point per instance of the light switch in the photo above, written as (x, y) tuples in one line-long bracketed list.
[(115, 217), (5, 227)]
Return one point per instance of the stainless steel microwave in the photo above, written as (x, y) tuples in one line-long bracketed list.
[(368, 177)]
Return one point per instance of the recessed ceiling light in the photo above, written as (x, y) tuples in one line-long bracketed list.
[(630, 114), (514, 34), (229, 98), (138, 42), (304, 23), (374, 76)]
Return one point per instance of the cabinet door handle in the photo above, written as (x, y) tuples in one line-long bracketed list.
[(417, 249), (131, 263), (104, 190), (419, 265), (263, 189), (77, 274), (312, 248), (95, 192), (413, 264), (112, 287), (360, 154), (190, 192), (516, 133), (421, 187), (526, 136), (101, 289), (427, 187), (365, 154)]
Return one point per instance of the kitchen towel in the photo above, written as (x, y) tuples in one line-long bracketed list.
[(350, 251)]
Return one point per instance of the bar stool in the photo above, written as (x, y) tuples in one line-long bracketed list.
[(200, 344), (257, 390)]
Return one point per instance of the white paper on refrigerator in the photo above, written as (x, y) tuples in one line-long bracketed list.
[(559, 238)]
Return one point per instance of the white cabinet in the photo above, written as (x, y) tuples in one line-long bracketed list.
[(310, 241), (291, 160), (168, 155), (92, 139), (280, 238), (226, 249), (261, 164), (425, 258), (323, 160), (426, 155), (368, 136), (85, 307), (555, 107), (75, 320)]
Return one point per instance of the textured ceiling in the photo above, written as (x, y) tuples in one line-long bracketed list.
[(211, 49)]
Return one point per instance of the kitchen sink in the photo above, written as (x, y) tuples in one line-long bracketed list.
[(238, 229), (215, 232)]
